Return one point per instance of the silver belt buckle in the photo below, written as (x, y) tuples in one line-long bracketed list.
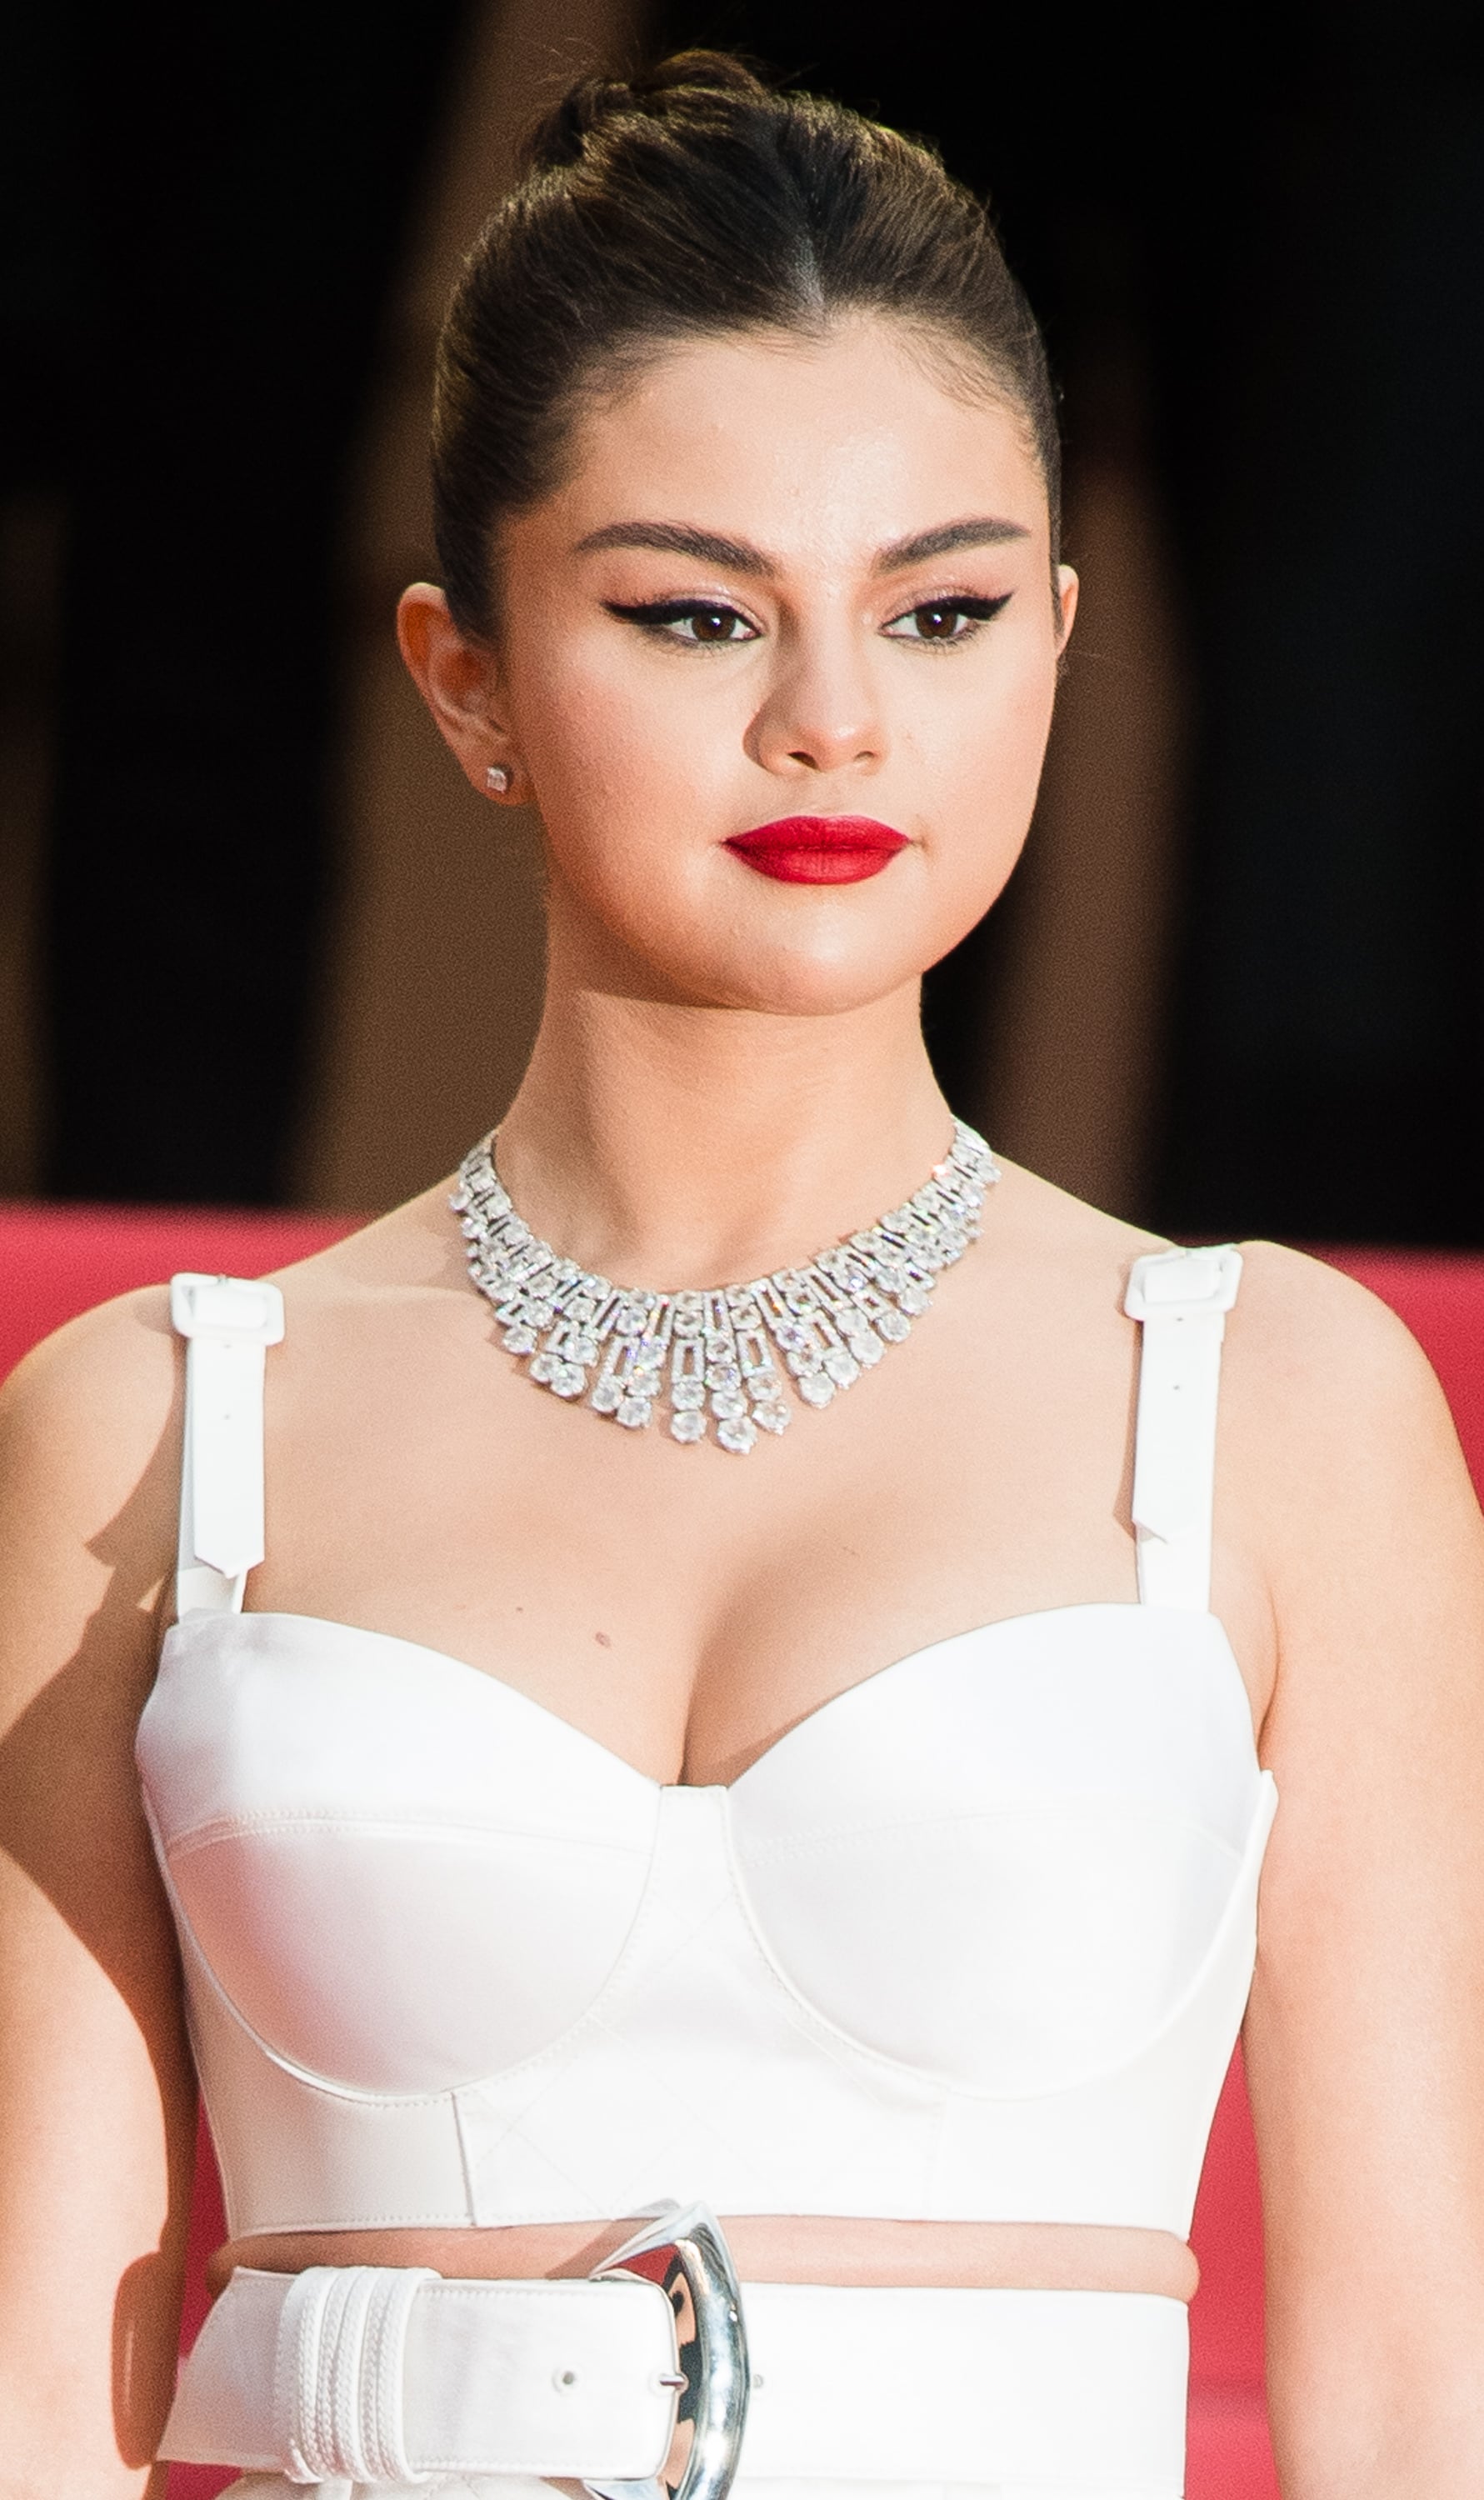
[(713, 2357)]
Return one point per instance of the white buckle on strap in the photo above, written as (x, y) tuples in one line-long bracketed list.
[(227, 1322), (227, 1309), (1182, 1298), (1167, 1283)]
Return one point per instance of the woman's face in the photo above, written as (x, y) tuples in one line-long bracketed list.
[(783, 579)]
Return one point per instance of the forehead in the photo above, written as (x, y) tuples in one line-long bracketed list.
[(814, 448)]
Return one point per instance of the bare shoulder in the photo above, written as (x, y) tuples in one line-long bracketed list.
[(1308, 1347), (1326, 1360), (91, 1404), (91, 1401), (1341, 1460), (91, 1420), (90, 1442)]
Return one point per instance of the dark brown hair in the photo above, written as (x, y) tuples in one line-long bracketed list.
[(686, 203)]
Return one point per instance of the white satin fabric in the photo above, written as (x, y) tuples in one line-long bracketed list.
[(971, 1942)]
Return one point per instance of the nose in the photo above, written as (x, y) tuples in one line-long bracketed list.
[(822, 713)]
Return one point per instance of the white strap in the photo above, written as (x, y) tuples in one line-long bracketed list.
[(362, 2374), (1054, 2391), (1182, 1298), (226, 1324)]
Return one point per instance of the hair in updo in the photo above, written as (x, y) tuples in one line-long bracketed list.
[(686, 203)]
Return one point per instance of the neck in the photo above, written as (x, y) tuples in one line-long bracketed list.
[(668, 1145)]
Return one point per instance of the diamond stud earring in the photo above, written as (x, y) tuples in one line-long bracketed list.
[(499, 777)]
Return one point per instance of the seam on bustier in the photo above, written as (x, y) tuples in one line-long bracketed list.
[(829, 2037), (586, 2206), (221, 1828), (559, 2047), (327, 2085), (820, 1844), (466, 2159), (594, 2019), (830, 2034), (842, 2046)]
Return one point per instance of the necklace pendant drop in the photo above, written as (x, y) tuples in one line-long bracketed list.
[(723, 1357)]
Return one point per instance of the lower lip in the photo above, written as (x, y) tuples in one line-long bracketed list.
[(819, 850)]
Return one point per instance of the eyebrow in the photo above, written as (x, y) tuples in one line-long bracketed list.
[(927, 544), (675, 538), (706, 547)]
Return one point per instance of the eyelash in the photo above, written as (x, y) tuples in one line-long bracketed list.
[(975, 613), (659, 616)]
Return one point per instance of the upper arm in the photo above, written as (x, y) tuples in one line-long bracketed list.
[(1364, 2049), (96, 2104)]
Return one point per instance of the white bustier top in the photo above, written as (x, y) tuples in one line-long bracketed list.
[(971, 1942)]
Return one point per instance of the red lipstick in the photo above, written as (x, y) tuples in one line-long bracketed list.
[(818, 851)]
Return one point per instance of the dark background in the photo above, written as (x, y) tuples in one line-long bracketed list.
[(1255, 240)]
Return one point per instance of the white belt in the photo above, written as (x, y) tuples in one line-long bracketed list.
[(394, 2375)]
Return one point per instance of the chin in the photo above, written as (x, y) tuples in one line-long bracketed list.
[(831, 960), (791, 983)]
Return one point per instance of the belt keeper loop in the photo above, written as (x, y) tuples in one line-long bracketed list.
[(339, 2371), (384, 2371)]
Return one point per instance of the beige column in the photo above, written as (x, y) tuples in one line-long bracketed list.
[(433, 970), (1076, 1036)]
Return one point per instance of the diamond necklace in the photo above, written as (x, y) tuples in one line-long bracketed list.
[(828, 1321)]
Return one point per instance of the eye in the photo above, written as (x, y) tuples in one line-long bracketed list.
[(688, 620), (944, 620)]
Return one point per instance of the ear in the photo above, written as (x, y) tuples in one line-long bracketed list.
[(459, 681), (1067, 587)]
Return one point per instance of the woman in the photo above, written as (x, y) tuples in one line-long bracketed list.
[(549, 1836)]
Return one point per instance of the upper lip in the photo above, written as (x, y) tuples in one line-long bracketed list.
[(819, 834)]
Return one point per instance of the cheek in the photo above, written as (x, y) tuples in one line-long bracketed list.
[(638, 753), (979, 743)]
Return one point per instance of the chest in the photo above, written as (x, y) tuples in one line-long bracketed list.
[(684, 1606)]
